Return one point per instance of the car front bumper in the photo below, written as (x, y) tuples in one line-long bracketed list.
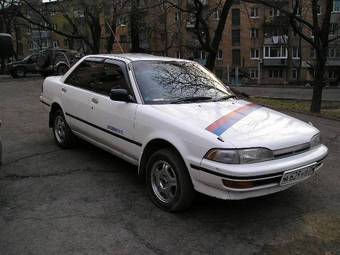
[(218, 179)]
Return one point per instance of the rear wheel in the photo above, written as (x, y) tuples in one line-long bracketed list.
[(168, 181), (62, 133), (19, 72)]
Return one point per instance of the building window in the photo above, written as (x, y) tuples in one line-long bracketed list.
[(332, 74), (295, 52), (219, 73), (319, 9), (236, 57), (202, 54), (254, 33), (312, 52), (294, 74), (279, 52), (254, 54), (236, 17), (220, 54), (275, 74), (123, 38), (217, 14), (336, 5), (253, 73), (177, 16), (254, 12), (236, 37), (274, 12), (334, 29)]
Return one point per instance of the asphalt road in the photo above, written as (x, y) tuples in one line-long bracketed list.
[(86, 201), (329, 94)]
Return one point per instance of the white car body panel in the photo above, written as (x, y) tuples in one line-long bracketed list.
[(125, 129)]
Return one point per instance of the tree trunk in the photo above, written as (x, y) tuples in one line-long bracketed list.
[(134, 30), (318, 84), (218, 35)]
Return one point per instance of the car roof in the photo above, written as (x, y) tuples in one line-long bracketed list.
[(130, 57)]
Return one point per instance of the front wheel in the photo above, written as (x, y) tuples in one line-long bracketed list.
[(62, 133), (168, 181), (62, 69)]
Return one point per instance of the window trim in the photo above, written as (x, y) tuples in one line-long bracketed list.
[(256, 12), (104, 60)]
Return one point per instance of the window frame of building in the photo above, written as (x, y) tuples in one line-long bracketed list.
[(294, 74), (253, 73), (236, 58), (254, 12), (236, 40), (203, 55), (296, 53), (275, 73), (121, 40), (336, 6), (254, 53), (217, 14), (254, 33), (236, 19), (332, 74), (283, 52), (219, 54), (274, 12), (177, 16)]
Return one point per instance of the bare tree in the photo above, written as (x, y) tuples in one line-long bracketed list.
[(314, 29), (82, 19), (209, 42)]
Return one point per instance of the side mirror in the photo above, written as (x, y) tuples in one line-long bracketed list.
[(121, 95)]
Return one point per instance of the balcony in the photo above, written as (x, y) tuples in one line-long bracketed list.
[(37, 34), (275, 62)]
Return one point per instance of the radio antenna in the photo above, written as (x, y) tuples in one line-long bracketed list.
[(114, 35)]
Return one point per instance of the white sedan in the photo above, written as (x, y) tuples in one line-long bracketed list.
[(184, 129)]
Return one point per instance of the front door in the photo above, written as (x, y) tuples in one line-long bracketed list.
[(114, 119)]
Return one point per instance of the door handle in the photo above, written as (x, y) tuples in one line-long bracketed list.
[(63, 90), (94, 100)]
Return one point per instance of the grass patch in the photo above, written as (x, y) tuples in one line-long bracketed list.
[(329, 109)]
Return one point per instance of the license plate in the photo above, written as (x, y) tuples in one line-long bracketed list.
[(296, 175)]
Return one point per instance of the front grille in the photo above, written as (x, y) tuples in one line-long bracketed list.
[(290, 151)]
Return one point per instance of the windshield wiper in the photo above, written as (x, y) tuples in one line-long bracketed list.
[(190, 99), (224, 98)]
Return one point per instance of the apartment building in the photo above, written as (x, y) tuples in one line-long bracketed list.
[(258, 45)]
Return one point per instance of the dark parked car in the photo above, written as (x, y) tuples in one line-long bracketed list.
[(19, 68), (47, 62)]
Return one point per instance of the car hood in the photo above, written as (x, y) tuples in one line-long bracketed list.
[(242, 124)]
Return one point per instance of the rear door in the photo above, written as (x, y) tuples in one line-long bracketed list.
[(114, 120), (77, 93)]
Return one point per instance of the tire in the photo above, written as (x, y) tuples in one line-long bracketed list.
[(19, 72), (168, 181), (62, 69), (62, 133)]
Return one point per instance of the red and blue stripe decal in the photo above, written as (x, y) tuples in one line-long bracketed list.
[(223, 124)]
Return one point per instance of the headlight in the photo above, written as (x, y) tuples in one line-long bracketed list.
[(315, 140), (241, 156)]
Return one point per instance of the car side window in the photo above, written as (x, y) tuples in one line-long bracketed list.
[(112, 78), (87, 75), (33, 59)]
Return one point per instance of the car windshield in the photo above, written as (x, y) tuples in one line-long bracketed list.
[(164, 82)]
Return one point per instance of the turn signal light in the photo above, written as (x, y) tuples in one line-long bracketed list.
[(239, 184)]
